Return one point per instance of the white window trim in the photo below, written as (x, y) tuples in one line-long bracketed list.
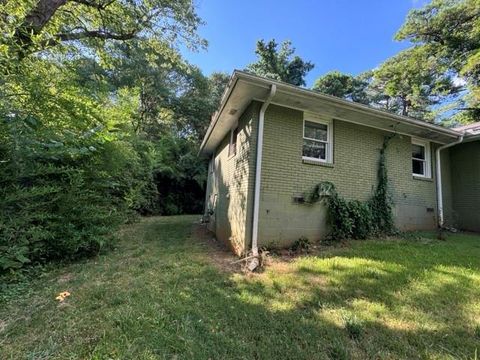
[(427, 161), (329, 148)]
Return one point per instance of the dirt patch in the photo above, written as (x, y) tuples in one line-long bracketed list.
[(281, 265), (218, 252)]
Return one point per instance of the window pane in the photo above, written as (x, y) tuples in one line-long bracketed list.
[(418, 167), (418, 151), (314, 149), (315, 131)]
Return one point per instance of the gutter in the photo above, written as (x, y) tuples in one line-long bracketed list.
[(289, 88), (223, 102), (258, 173), (439, 178)]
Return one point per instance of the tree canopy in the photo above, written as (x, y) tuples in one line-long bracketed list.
[(439, 74), (30, 26), (449, 32), (342, 85), (280, 64), (100, 120)]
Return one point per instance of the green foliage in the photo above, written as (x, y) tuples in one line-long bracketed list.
[(96, 25), (99, 120), (338, 351), (413, 81), (353, 219), (449, 32), (436, 77), (381, 203), (342, 85), (354, 326), (278, 64), (68, 178), (158, 259), (476, 331), (301, 245), (180, 177)]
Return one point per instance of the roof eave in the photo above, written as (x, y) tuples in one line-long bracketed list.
[(261, 85)]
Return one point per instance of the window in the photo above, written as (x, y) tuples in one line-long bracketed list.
[(421, 158), (232, 147), (317, 141)]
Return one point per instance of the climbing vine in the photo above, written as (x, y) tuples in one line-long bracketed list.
[(353, 219)]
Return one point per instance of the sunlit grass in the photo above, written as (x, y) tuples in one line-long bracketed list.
[(161, 295)]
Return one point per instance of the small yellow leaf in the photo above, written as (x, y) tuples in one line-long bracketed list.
[(62, 296)]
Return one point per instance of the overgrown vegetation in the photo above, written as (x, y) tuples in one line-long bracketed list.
[(100, 120), (354, 219), (101, 117), (162, 295)]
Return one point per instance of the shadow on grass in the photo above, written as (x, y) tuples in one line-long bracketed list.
[(161, 297)]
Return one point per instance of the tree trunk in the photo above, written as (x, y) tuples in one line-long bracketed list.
[(36, 20), (405, 105)]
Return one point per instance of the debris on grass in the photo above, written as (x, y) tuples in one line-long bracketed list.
[(62, 296)]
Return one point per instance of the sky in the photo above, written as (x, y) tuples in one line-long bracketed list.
[(350, 36)]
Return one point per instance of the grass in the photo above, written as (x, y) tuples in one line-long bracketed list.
[(164, 293)]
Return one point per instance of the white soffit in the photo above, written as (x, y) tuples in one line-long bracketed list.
[(244, 88)]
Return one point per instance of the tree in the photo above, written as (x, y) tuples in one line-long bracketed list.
[(280, 64), (218, 83), (96, 107), (413, 81), (342, 85), (37, 25), (449, 31)]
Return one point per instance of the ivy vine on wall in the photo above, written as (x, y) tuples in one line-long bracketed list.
[(354, 219)]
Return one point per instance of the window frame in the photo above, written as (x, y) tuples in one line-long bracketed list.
[(231, 143), (427, 161), (329, 143)]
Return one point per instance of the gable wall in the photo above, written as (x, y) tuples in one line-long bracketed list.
[(230, 185), (354, 173)]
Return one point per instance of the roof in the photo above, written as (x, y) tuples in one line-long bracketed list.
[(243, 88), (472, 129)]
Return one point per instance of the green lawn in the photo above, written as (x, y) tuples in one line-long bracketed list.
[(164, 293)]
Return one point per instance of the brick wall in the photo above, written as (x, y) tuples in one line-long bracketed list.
[(354, 172), (231, 182)]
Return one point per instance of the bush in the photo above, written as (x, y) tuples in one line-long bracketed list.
[(64, 192), (301, 245)]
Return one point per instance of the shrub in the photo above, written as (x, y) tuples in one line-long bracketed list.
[(63, 192), (301, 245)]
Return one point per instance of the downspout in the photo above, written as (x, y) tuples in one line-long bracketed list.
[(439, 179), (258, 172), (208, 189)]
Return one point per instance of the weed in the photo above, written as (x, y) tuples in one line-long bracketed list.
[(354, 326), (301, 245)]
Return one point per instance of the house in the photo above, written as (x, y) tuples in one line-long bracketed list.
[(270, 142)]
